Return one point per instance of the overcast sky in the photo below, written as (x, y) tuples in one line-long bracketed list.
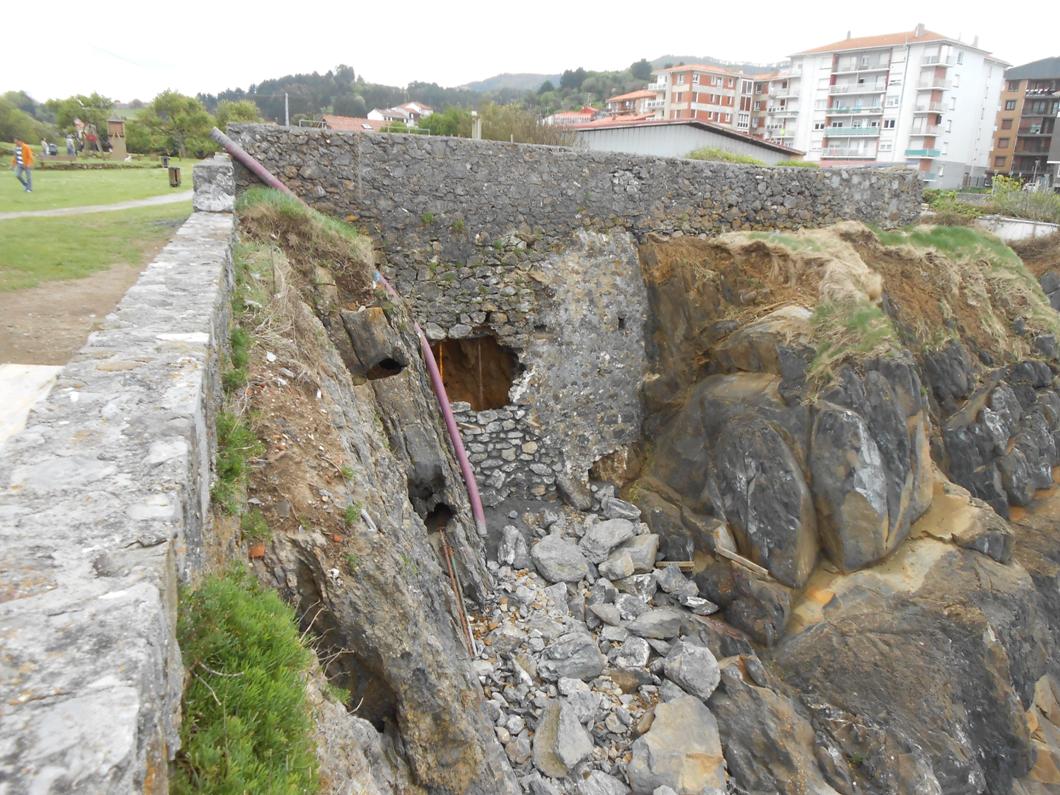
[(129, 50)]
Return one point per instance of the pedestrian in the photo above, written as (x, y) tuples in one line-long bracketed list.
[(70, 146), (43, 147), (23, 162)]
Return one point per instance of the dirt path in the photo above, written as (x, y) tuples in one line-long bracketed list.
[(48, 323), (172, 198)]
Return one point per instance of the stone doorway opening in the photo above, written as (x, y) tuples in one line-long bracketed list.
[(477, 370)]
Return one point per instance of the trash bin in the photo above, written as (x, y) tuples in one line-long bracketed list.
[(165, 161), (174, 176)]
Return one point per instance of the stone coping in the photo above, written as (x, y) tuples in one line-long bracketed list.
[(103, 499)]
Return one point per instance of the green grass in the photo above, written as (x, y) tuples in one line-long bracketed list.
[(798, 163), (236, 446), (721, 156), (247, 726), (239, 357), (291, 208), (846, 330), (35, 250), (959, 243), (792, 242), (254, 527), (56, 189)]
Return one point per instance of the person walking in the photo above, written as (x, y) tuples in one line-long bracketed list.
[(70, 146), (23, 162)]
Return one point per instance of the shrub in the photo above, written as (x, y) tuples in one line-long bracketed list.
[(247, 725), (799, 163), (721, 156)]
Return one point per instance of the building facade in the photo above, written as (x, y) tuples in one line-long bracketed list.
[(918, 99), (702, 92), (1025, 131)]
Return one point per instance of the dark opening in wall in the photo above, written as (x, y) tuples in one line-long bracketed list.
[(477, 370), (385, 368), (438, 519)]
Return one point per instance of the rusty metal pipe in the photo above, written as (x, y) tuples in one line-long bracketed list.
[(252, 165)]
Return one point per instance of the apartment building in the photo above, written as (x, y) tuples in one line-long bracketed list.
[(1025, 131), (776, 106), (702, 92), (632, 103), (918, 98)]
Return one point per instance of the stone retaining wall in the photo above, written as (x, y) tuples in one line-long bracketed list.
[(538, 246), (103, 502)]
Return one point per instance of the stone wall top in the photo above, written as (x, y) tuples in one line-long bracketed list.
[(103, 498)]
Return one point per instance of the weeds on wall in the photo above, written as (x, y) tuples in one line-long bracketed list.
[(246, 722)]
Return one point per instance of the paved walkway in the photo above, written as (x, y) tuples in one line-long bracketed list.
[(169, 198)]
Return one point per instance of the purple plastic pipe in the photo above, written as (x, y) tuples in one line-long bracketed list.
[(266, 176), (252, 165)]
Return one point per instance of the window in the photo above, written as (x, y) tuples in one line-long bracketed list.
[(888, 124), (1002, 143), (1010, 104), (837, 124), (885, 146), (818, 125), (960, 60), (1006, 124), (895, 81), (892, 102), (999, 161), (1013, 85), (953, 103), (949, 125), (695, 78)]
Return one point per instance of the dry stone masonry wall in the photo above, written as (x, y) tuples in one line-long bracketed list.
[(537, 246)]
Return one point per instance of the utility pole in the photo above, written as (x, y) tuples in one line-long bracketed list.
[(286, 111)]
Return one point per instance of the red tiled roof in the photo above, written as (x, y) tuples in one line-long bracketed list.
[(884, 40), (700, 67), (640, 94), (609, 121), (353, 124)]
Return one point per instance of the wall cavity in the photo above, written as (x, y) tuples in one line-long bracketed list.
[(537, 246)]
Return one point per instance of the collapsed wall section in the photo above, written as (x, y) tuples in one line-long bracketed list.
[(103, 500), (537, 247)]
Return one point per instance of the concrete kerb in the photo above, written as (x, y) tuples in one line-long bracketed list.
[(103, 503)]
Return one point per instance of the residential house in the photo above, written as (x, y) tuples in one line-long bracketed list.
[(571, 118), (1025, 131), (632, 103), (352, 123), (409, 114), (702, 92)]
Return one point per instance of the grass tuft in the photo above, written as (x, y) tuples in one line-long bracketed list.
[(254, 527), (246, 725), (721, 156), (236, 446)]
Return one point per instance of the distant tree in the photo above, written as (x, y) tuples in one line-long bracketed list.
[(451, 121), (92, 109), (546, 87), (350, 105), (180, 124), (641, 69), (16, 123), (573, 79), (136, 104), (140, 139), (236, 111), (516, 123)]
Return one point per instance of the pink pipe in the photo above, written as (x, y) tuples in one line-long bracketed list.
[(447, 414), (252, 165), (266, 176)]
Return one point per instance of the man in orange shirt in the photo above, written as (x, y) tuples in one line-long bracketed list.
[(23, 162)]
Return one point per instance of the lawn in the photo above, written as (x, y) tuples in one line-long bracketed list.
[(54, 189), (35, 250)]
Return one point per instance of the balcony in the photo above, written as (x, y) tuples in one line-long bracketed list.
[(856, 89), (937, 60), (654, 104), (924, 154), (931, 107), (934, 85), (852, 132), (848, 153), (932, 130), (853, 67), (844, 109)]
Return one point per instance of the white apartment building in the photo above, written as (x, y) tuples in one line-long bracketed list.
[(919, 99)]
